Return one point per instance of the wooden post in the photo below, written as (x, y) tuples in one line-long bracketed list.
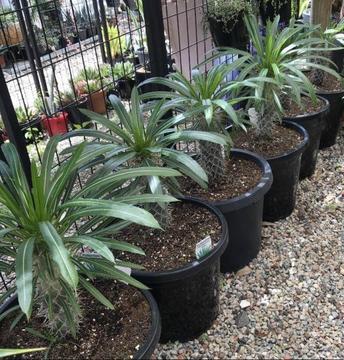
[(321, 12)]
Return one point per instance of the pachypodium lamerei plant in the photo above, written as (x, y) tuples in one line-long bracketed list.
[(41, 244), (146, 138), (277, 64), (333, 38), (212, 90)]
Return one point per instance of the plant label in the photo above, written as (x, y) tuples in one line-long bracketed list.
[(124, 269), (203, 247)]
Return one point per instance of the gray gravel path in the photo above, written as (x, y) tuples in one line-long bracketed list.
[(294, 290)]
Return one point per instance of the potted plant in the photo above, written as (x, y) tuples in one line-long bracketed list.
[(89, 83), (139, 40), (29, 123), (188, 313), (335, 35), (72, 106), (225, 20), (57, 294), (118, 43), (124, 74), (81, 20), (278, 59), (55, 122), (329, 85), (240, 197)]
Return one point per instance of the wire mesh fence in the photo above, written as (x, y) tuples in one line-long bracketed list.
[(60, 56)]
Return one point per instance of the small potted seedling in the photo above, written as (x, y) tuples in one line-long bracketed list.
[(29, 124), (55, 122), (72, 105), (124, 74), (89, 83)]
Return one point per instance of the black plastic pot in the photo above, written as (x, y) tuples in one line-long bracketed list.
[(26, 127), (125, 86), (76, 117), (143, 56), (147, 348), (337, 57), (244, 215), (280, 200), (314, 123), (236, 38), (268, 11), (333, 118), (188, 297)]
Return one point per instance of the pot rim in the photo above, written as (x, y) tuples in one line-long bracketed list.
[(154, 332), (324, 109), (190, 269), (300, 148), (258, 191)]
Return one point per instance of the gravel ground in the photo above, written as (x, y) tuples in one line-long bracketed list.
[(294, 290)]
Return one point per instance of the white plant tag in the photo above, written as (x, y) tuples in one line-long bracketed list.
[(124, 269), (203, 247)]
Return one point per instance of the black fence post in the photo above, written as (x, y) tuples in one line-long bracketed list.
[(27, 45), (99, 30), (155, 37), (105, 32), (32, 37), (14, 132)]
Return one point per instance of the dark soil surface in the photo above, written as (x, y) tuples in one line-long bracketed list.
[(282, 141), (174, 247), (103, 334), (240, 176), (292, 109), (330, 83)]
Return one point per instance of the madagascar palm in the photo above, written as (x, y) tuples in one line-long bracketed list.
[(277, 60), (213, 91), (39, 240), (148, 141)]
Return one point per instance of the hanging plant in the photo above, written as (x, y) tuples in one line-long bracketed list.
[(225, 21)]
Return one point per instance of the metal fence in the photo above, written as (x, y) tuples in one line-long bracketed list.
[(58, 56)]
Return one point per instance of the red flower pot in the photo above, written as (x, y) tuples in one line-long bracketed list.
[(56, 125)]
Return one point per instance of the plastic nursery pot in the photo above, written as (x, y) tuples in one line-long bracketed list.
[(244, 216), (188, 297), (314, 123), (76, 117), (147, 348), (333, 118), (56, 125), (236, 38), (337, 56), (280, 200), (97, 102), (125, 87)]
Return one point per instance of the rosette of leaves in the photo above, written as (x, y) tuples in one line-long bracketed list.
[(277, 65), (146, 138), (41, 244), (212, 91)]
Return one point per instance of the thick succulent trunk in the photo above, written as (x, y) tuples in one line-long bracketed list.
[(52, 297), (162, 214), (317, 75), (212, 160)]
